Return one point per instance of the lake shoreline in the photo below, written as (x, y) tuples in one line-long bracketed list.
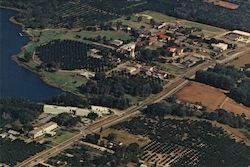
[(15, 57)]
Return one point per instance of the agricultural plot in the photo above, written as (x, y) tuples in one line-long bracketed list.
[(79, 14), (241, 61), (186, 143), (70, 55), (210, 97)]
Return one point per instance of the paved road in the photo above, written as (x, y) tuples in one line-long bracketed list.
[(169, 90)]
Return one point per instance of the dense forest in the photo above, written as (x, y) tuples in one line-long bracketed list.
[(18, 112), (227, 78), (69, 13), (160, 110), (15, 151), (119, 85)]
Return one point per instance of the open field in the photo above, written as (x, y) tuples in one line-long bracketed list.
[(61, 136), (159, 18), (234, 107), (170, 68), (206, 95), (64, 80), (125, 137), (241, 61), (210, 97)]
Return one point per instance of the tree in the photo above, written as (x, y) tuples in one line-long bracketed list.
[(92, 116)]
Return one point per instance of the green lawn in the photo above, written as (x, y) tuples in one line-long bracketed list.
[(202, 26), (61, 136), (170, 68), (159, 17), (67, 81)]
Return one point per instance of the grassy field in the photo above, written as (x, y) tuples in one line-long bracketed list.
[(202, 26), (61, 136), (42, 37), (125, 137), (66, 80), (159, 18), (169, 68)]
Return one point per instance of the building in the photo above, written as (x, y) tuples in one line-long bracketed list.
[(116, 42), (82, 112), (13, 132), (242, 36), (128, 49), (45, 129), (87, 74), (220, 47)]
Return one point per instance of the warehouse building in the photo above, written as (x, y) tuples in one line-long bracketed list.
[(48, 128)]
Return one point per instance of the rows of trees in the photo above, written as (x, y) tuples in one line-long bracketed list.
[(212, 145), (18, 112), (70, 55), (51, 13)]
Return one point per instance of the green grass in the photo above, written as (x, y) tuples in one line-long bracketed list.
[(133, 99), (202, 26), (170, 68), (159, 17), (61, 136), (67, 81)]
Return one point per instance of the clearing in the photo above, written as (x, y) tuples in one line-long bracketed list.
[(125, 137), (210, 97)]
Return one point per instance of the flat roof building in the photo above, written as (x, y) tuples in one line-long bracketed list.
[(42, 130)]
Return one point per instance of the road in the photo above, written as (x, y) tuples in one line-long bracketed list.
[(169, 90)]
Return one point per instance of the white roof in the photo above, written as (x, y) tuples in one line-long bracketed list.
[(241, 33)]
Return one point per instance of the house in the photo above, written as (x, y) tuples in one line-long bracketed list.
[(45, 129), (172, 49), (152, 40), (116, 42), (164, 37), (128, 49), (13, 132), (87, 74)]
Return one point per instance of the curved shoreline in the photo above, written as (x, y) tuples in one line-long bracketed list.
[(24, 65)]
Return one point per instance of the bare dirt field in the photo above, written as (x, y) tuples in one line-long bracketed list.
[(241, 61), (210, 97), (232, 106), (206, 95)]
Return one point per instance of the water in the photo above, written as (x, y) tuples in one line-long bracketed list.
[(16, 81)]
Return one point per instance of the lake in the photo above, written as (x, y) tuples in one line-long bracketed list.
[(16, 81)]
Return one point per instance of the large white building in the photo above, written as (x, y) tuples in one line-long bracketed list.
[(55, 110), (42, 130)]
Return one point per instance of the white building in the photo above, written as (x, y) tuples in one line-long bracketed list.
[(220, 46), (55, 110), (130, 48), (243, 36), (45, 129)]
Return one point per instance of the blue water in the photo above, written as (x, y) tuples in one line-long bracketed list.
[(16, 81)]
